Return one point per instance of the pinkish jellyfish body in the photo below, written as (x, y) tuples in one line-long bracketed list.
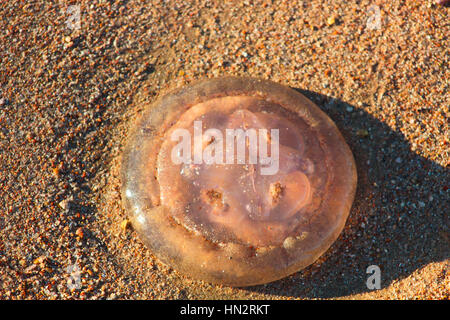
[(233, 218)]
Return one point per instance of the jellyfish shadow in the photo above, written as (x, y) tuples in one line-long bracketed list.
[(398, 221)]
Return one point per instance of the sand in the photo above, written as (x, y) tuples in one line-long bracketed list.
[(70, 92)]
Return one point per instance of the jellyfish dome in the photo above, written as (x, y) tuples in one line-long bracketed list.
[(237, 181)]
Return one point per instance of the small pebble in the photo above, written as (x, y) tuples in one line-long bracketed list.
[(362, 133), (80, 233), (125, 224), (64, 204), (331, 20)]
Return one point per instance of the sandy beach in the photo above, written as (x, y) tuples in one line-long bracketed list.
[(76, 75)]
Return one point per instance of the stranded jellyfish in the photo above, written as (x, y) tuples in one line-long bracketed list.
[(237, 181)]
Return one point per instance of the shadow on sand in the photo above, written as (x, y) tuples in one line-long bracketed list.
[(399, 218)]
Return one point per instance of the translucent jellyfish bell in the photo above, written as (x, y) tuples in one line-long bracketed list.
[(237, 212)]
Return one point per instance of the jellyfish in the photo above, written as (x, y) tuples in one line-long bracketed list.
[(237, 181)]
